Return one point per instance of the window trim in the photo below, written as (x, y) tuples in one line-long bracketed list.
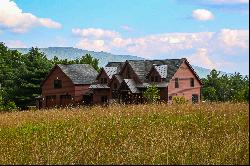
[(191, 82), (177, 84), (57, 85)]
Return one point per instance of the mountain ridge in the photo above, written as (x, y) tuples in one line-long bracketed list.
[(104, 57)]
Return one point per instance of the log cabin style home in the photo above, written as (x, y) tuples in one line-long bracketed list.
[(119, 82), (67, 84), (125, 82)]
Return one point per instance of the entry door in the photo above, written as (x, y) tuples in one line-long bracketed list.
[(195, 98), (50, 101), (65, 100)]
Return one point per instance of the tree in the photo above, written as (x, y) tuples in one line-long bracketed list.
[(225, 87), (152, 93), (88, 59), (11, 63), (36, 66)]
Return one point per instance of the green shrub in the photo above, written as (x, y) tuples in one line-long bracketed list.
[(179, 100), (152, 93)]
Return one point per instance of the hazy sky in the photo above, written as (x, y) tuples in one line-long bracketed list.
[(209, 33)]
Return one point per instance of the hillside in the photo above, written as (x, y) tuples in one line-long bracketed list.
[(104, 57)]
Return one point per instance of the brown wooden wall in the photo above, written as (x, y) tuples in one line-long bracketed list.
[(154, 73), (75, 92), (184, 73), (98, 93), (114, 81), (80, 90), (103, 75)]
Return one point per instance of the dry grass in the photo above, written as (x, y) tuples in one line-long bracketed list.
[(215, 133)]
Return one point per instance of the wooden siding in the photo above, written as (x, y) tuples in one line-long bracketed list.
[(154, 73), (98, 93), (68, 88), (184, 73)]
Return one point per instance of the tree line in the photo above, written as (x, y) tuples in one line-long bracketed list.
[(22, 74)]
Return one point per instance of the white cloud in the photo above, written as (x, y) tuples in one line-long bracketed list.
[(15, 44), (202, 15), (127, 28), (206, 49), (96, 45), (13, 18), (225, 40), (95, 33), (201, 57)]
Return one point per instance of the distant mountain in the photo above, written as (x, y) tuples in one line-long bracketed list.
[(73, 53), (104, 57)]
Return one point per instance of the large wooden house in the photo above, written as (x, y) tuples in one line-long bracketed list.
[(125, 82), (67, 84), (121, 82)]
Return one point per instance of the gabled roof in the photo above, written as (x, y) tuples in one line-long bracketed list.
[(99, 86), (79, 73), (157, 84), (119, 65), (110, 71), (131, 85), (142, 67), (162, 70), (118, 77)]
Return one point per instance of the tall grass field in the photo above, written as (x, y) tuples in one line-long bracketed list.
[(206, 133)]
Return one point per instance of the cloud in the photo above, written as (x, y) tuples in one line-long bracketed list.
[(208, 49), (96, 45), (127, 28), (95, 33), (14, 19), (224, 41), (202, 15), (238, 6), (15, 44), (201, 57)]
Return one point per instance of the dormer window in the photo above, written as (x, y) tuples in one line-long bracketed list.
[(103, 80), (154, 79), (115, 86), (57, 84)]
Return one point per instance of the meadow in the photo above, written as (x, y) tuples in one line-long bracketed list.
[(206, 133)]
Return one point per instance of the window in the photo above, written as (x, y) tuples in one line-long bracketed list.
[(53, 97), (152, 79), (195, 98), (115, 86), (104, 99), (65, 97), (103, 80), (57, 84), (156, 79), (176, 82), (192, 82)]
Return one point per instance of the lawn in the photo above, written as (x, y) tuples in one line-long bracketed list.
[(207, 133)]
